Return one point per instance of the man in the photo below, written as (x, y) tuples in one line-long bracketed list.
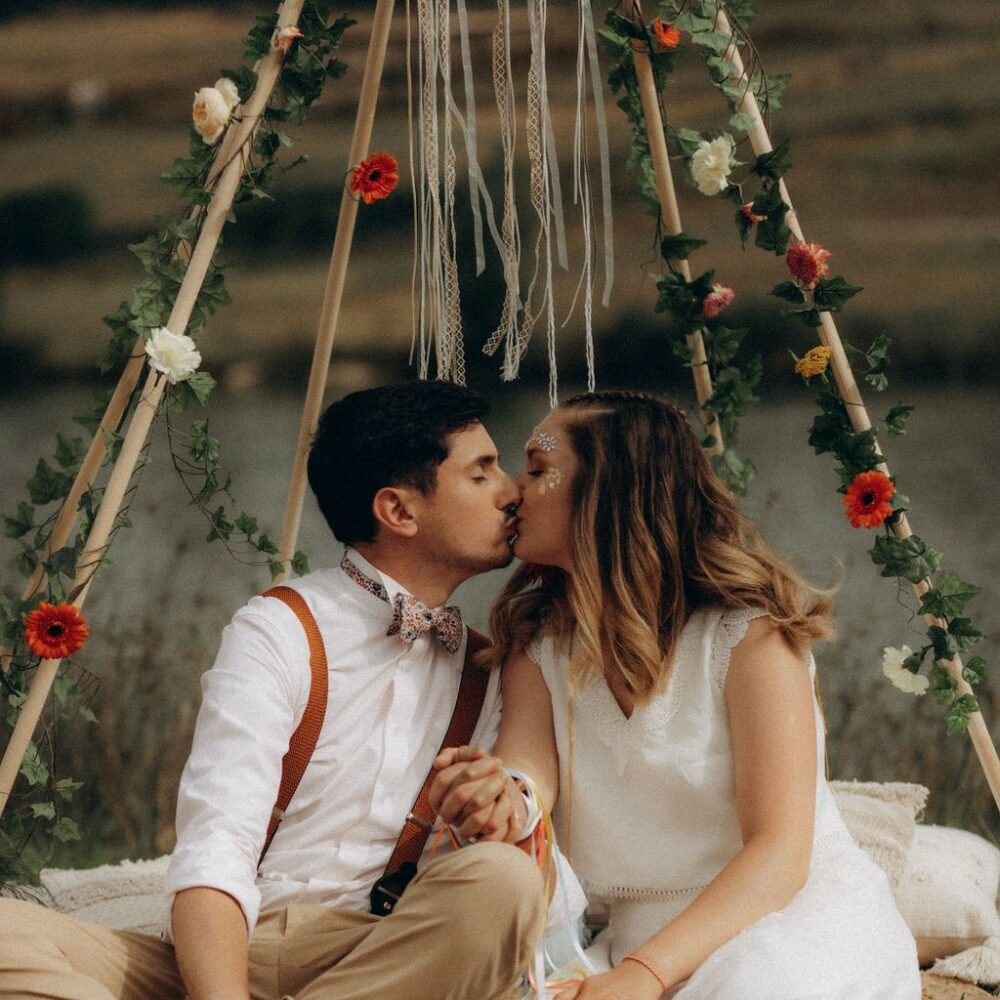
[(409, 480)]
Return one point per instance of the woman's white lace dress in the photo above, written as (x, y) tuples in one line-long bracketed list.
[(651, 819)]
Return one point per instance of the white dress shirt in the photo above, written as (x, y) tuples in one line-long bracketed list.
[(388, 708)]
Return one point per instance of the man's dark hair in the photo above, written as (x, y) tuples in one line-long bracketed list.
[(390, 436)]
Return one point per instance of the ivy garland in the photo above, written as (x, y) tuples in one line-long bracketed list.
[(310, 60), (760, 217)]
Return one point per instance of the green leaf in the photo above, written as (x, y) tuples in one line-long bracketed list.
[(965, 633), (679, 247), (113, 442), (974, 672), (47, 484), (201, 384), (45, 810), (909, 558), (741, 121), (264, 544), (831, 293), (773, 165), (69, 452), (624, 26), (948, 597), (65, 830), (300, 563), (772, 234), (62, 562), (945, 645), (246, 524), (790, 292), (895, 420), (18, 523), (65, 788), (34, 771), (958, 716), (943, 686)]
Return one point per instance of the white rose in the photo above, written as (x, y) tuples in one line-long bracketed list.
[(905, 680), (711, 164), (229, 91), (173, 354), (210, 113)]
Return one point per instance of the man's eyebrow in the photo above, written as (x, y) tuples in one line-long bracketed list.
[(484, 460)]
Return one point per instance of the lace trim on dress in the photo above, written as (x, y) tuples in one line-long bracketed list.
[(731, 629)]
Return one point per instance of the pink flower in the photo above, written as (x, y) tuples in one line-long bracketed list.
[(750, 215), (807, 262), (716, 300)]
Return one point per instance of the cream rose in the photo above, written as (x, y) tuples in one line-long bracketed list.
[(210, 113), (173, 354), (229, 91), (905, 680), (712, 163)]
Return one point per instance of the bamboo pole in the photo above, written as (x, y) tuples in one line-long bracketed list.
[(671, 220), (99, 537), (850, 393), (334, 290)]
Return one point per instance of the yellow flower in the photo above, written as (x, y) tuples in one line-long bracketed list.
[(813, 362)]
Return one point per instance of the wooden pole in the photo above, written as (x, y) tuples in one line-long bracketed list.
[(848, 387), (671, 221), (334, 290), (135, 438)]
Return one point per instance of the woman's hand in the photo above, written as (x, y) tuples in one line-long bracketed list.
[(630, 981), (473, 793)]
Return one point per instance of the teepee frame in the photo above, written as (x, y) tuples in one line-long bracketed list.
[(224, 182)]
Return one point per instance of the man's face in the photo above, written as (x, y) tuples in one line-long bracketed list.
[(464, 522)]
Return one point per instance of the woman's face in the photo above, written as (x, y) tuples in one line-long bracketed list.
[(545, 516)]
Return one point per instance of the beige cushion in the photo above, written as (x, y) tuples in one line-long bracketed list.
[(128, 896), (881, 817), (948, 897)]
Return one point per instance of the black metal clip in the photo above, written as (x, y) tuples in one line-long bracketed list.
[(388, 889)]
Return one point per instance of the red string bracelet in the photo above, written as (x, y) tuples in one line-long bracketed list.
[(648, 968)]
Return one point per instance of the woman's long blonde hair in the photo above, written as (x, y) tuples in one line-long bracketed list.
[(656, 535)]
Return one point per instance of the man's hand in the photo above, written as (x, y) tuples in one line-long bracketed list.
[(474, 794)]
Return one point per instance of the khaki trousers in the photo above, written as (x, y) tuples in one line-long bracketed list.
[(465, 930)]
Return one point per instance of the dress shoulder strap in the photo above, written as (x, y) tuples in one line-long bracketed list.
[(303, 741), (732, 627)]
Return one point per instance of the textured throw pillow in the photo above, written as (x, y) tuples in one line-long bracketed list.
[(128, 896), (881, 817), (948, 898)]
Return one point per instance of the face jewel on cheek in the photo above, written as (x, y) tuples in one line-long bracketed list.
[(550, 480)]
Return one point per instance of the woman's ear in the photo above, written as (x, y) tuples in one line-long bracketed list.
[(393, 508)]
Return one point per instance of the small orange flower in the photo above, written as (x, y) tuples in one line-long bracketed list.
[(54, 631), (807, 262), (867, 500), (375, 178), (667, 36), (750, 215)]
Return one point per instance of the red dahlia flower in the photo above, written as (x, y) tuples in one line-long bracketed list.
[(375, 178), (55, 631), (807, 262), (867, 500)]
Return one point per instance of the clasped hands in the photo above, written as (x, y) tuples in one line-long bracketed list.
[(475, 795)]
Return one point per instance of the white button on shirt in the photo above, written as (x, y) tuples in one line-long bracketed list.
[(388, 708)]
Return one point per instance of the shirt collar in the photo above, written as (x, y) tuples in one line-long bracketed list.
[(392, 587)]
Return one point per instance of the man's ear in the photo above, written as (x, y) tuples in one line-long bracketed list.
[(393, 507)]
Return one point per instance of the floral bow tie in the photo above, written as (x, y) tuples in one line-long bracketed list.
[(412, 618)]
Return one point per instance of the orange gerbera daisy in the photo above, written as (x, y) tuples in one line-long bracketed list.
[(867, 500), (375, 178), (667, 36), (53, 631)]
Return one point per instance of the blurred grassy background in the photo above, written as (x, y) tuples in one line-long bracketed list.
[(893, 114)]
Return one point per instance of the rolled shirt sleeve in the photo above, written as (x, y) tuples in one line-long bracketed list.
[(252, 699)]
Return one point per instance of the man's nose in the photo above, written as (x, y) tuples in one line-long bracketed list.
[(510, 495)]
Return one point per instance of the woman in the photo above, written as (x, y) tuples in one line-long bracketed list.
[(658, 687)]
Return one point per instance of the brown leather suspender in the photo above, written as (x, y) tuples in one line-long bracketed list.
[(420, 820), (303, 741)]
